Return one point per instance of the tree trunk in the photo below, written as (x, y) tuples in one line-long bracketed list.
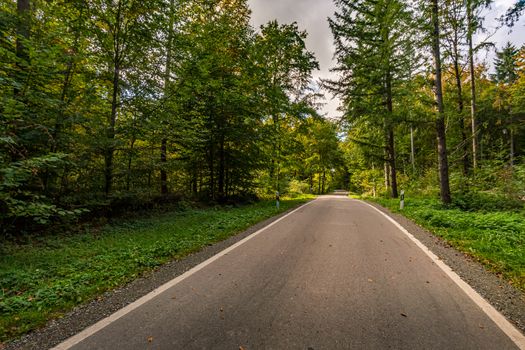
[(130, 158), (211, 167), (167, 72), (392, 161), (386, 169), (163, 161), (390, 131), (324, 181), (412, 150), (440, 120), (220, 187), (460, 106), (474, 126), (23, 28), (277, 151), (110, 148)]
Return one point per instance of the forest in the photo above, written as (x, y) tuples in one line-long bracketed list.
[(114, 105), (115, 108), (420, 107)]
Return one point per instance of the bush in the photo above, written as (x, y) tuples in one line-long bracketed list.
[(481, 201), (298, 187), (22, 196)]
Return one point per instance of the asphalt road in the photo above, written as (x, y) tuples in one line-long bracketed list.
[(335, 274)]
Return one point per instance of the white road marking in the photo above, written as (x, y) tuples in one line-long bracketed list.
[(508, 328), (72, 341)]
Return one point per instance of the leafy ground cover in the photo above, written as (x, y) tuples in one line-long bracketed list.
[(49, 276), (495, 235)]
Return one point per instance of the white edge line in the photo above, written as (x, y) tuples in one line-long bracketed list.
[(72, 341), (508, 328)]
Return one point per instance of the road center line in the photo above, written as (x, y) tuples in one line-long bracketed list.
[(508, 328), (72, 341)]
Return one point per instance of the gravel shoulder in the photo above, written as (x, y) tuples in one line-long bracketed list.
[(498, 292), (503, 296)]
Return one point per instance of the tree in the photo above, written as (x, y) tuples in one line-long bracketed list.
[(374, 54), (455, 33), (513, 14), (505, 64), (473, 7), (285, 72), (440, 119)]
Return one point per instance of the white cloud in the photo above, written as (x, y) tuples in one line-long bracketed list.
[(497, 34)]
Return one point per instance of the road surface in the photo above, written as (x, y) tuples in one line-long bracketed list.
[(335, 274)]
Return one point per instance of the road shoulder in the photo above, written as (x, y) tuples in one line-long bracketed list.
[(499, 293), (85, 315)]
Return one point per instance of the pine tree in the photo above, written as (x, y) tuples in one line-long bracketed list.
[(506, 65)]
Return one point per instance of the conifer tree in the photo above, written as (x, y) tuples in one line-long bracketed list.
[(373, 51)]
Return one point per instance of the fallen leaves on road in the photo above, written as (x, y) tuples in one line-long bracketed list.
[(150, 339)]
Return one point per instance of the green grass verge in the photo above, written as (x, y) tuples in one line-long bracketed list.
[(495, 238), (44, 280)]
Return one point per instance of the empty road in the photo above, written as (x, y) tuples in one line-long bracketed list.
[(334, 274)]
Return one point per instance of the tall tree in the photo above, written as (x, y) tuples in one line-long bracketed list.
[(167, 79), (473, 8), (286, 71), (506, 68), (440, 119), (455, 32), (373, 51)]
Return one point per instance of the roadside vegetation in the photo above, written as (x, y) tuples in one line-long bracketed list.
[(48, 275)]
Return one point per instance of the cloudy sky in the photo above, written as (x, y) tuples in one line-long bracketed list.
[(311, 16)]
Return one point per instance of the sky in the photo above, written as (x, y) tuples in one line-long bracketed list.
[(311, 15)]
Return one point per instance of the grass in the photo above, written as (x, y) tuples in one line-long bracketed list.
[(494, 237), (46, 278)]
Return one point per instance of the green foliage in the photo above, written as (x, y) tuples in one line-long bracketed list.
[(17, 198), (296, 187), (50, 275), (505, 64), (480, 201), (144, 102)]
